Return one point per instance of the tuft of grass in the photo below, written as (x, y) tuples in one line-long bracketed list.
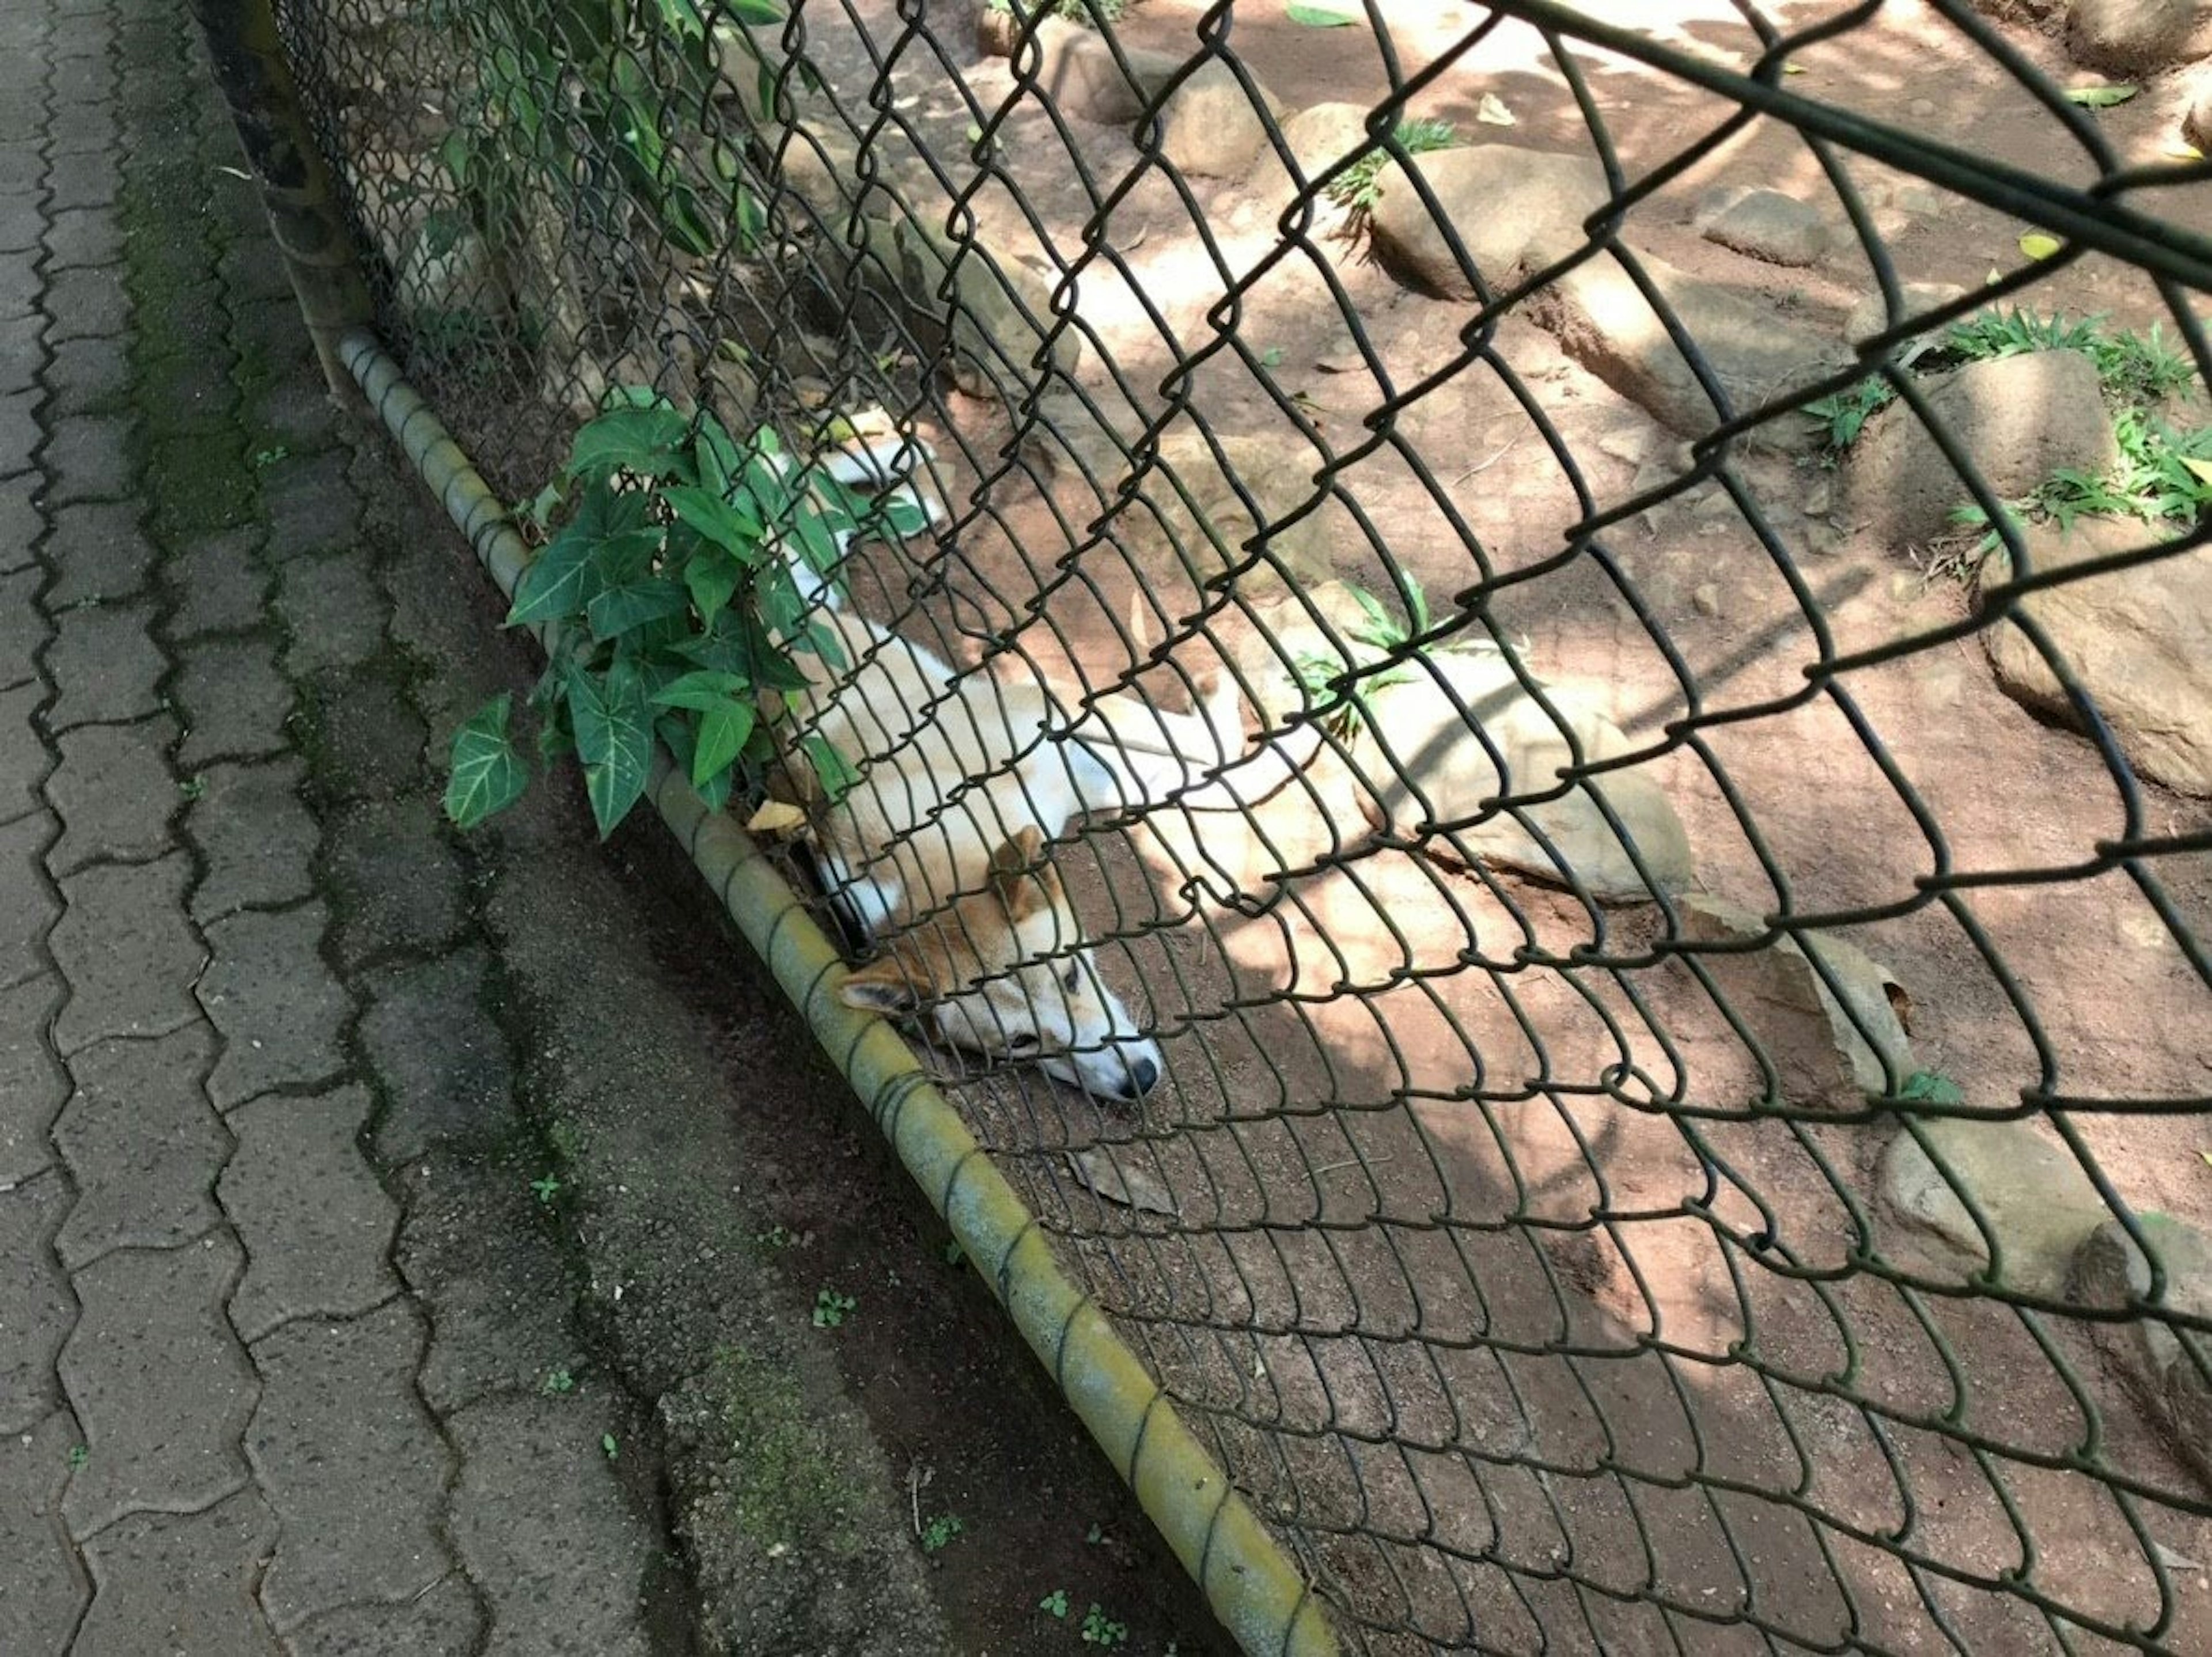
[(1356, 187)]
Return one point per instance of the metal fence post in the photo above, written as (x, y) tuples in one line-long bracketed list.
[(297, 188)]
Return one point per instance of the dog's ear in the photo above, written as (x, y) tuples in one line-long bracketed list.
[(879, 986), (1025, 889)]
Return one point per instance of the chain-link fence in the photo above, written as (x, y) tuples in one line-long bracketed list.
[(1605, 625)]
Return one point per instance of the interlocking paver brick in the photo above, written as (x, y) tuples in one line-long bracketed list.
[(335, 609), (298, 413), (36, 1308), (158, 1381), (89, 457), (352, 1465), (22, 628), (22, 166), (233, 701), (115, 793), (311, 506), (33, 1085), (442, 1059), (179, 1586), (27, 905), (44, 1590), (104, 665), (19, 433), (256, 840), (82, 79), (190, 390), (372, 742), (280, 1010), (22, 358), (219, 584), (23, 757), (275, 332), (127, 951), (19, 287), (87, 376), (89, 179), (444, 1623), (543, 1526), (395, 882), (19, 530), (493, 1281), (98, 551), (88, 302), (143, 1144), (316, 1225), (92, 128), (83, 236), (253, 270), (199, 481)]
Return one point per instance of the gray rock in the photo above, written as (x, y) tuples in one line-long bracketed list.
[(2138, 641), (1870, 316), (1513, 209), (1076, 70), (1438, 773), (2196, 123), (2112, 1270), (2127, 35), (1604, 322), (1317, 137), (1765, 224), (2034, 1196), (1211, 126), (1824, 1057), (2017, 419), (1193, 515)]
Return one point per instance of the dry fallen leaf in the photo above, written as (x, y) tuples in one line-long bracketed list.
[(1118, 1182), (1491, 112), (775, 816), (2037, 245)]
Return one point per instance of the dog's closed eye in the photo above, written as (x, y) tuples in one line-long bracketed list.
[(1021, 1042), (1071, 980)]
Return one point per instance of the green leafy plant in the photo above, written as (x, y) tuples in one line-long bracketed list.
[(832, 1308), (566, 93), (547, 1187), (1100, 1629), (1054, 1604), (1357, 187), (611, 1450), (938, 1532), (1381, 629), (1930, 1087), (674, 607), (1845, 414), (558, 1381)]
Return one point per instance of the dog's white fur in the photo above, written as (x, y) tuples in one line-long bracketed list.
[(963, 778)]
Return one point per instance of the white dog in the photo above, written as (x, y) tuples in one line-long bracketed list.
[(937, 847)]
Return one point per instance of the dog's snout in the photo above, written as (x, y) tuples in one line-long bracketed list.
[(1143, 1076)]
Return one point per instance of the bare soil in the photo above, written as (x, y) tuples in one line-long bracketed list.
[(1485, 1278)]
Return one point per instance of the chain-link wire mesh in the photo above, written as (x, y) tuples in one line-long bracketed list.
[(1668, 540)]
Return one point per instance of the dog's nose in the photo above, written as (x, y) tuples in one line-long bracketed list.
[(1143, 1075)]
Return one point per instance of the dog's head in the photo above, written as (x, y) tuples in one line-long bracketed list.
[(1007, 972)]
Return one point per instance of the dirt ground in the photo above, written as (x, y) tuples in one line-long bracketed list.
[(1482, 1277)]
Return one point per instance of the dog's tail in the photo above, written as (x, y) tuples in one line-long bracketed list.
[(1199, 761)]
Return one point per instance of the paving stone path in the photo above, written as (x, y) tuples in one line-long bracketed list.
[(250, 1399)]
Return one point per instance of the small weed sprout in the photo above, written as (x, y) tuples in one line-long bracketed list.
[(1100, 1629), (78, 1455), (608, 1448), (938, 1532), (558, 1381), (1358, 186), (832, 1308), (547, 1187), (1054, 1604)]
